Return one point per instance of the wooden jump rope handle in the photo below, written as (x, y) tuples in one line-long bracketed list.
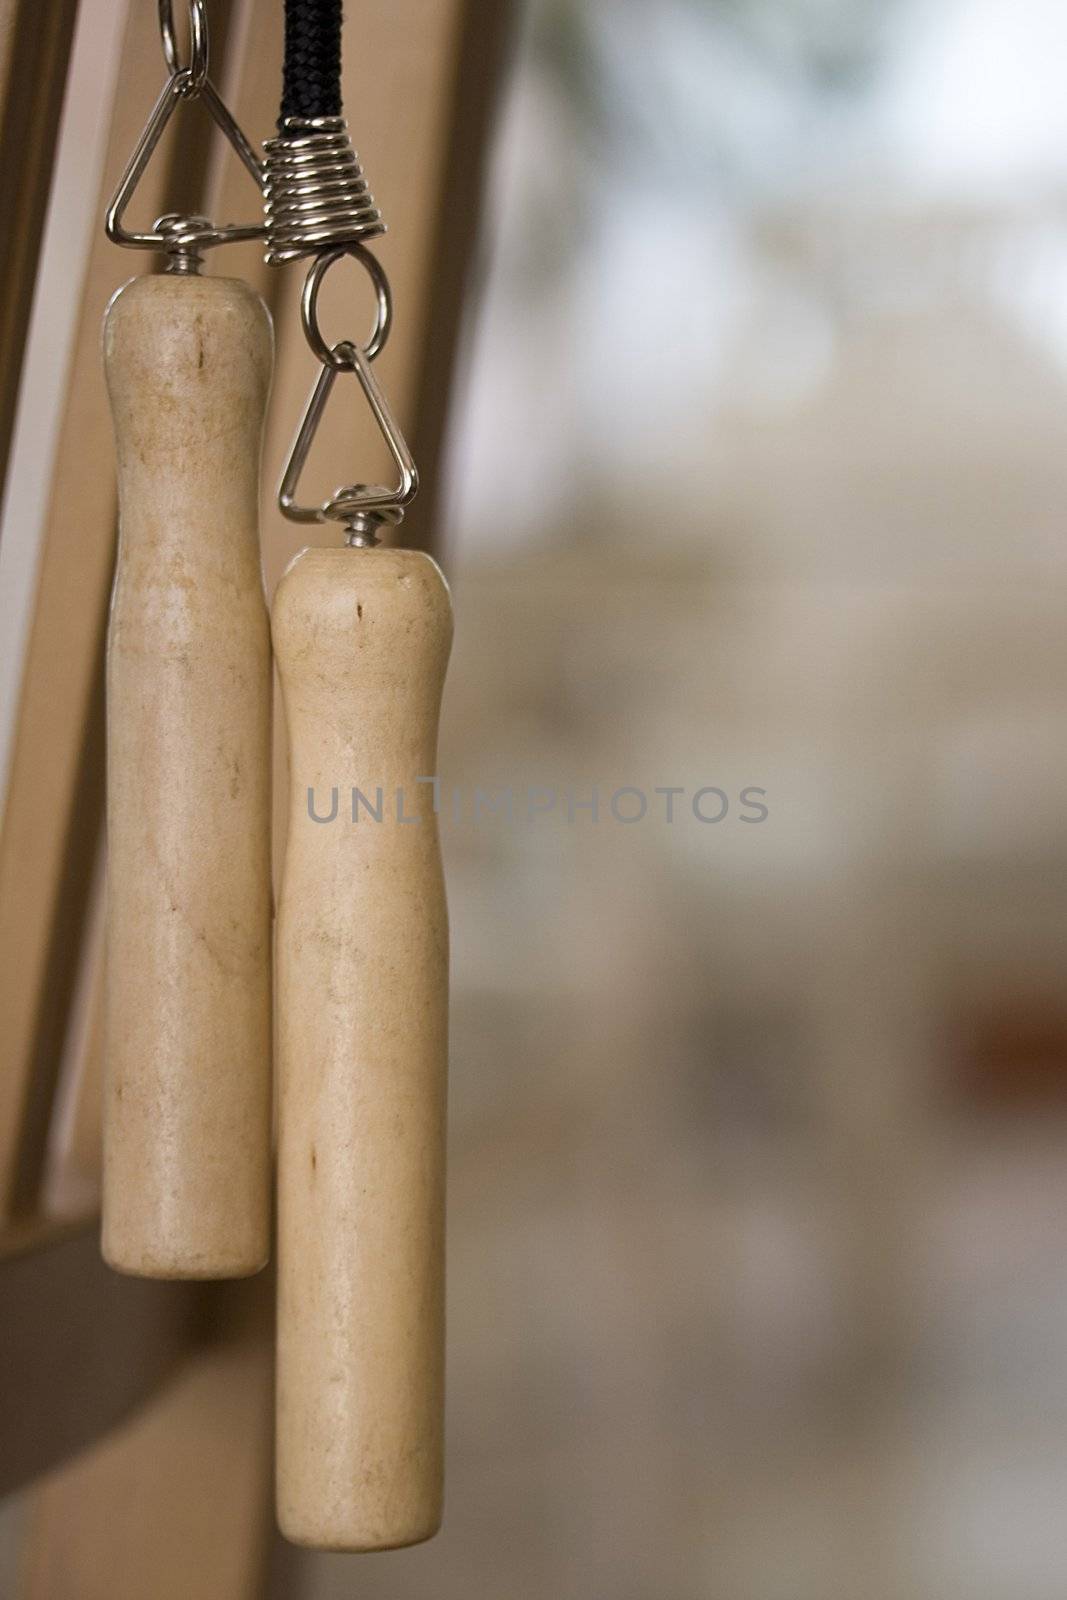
[(188, 993), (361, 637)]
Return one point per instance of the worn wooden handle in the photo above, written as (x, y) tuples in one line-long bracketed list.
[(362, 639), (188, 1007)]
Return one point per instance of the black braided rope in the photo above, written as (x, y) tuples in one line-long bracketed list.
[(311, 76)]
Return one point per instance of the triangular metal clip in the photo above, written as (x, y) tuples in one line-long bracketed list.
[(180, 86), (358, 505)]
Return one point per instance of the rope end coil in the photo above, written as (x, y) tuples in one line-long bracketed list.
[(315, 195)]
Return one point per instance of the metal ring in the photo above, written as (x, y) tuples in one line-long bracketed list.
[(333, 355), (195, 69)]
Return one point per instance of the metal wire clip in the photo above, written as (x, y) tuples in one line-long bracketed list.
[(183, 239), (317, 203), (360, 507)]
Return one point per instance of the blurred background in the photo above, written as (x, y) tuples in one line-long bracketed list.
[(756, 478)]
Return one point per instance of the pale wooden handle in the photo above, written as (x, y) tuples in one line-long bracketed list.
[(362, 640), (188, 1023)]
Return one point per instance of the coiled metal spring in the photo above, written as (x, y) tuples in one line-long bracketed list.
[(316, 197)]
